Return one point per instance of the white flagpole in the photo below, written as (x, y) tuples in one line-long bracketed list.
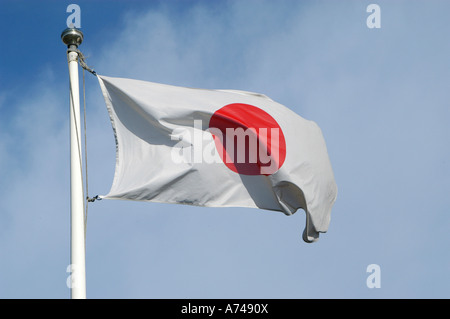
[(72, 38)]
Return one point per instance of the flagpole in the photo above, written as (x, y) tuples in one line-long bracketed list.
[(73, 37)]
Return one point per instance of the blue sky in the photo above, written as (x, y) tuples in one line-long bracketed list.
[(380, 96)]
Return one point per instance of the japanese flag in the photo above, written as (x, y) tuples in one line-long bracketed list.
[(217, 148)]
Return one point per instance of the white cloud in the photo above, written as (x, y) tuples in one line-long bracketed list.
[(33, 199)]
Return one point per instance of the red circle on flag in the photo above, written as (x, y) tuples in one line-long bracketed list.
[(248, 139)]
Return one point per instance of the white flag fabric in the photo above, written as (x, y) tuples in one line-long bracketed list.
[(217, 148)]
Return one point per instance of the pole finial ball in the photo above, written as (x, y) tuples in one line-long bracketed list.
[(72, 36)]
